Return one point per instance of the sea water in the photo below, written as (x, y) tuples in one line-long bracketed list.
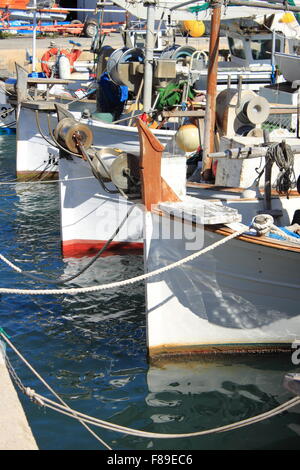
[(91, 348)]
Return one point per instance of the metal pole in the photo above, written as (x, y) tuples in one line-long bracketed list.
[(211, 91), (34, 38), (265, 5), (150, 41), (268, 176)]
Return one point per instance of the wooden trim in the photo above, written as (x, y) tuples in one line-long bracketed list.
[(225, 231), (154, 188), (197, 114), (32, 176), (191, 184), (263, 241)]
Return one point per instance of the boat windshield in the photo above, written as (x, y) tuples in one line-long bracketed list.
[(261, 49)]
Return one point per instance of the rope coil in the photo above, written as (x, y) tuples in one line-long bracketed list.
[(264, 224), (282, 154)]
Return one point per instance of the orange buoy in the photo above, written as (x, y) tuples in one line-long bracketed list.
[(194, 28)]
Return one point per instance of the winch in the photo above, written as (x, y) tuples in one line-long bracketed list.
[(239, 112), (65, 131), (121, 168)]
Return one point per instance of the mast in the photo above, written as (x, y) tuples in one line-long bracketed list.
[(34, 37), (150, 40), (211, 90)]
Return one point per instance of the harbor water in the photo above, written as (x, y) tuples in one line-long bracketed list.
[(91, 349)]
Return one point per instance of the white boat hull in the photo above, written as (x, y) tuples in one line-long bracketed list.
[(239, 297), (35, 157), (90, 216)]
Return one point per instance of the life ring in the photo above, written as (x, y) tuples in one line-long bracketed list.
[(72, 56)]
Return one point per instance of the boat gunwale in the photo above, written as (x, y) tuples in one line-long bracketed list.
[(226, 231)]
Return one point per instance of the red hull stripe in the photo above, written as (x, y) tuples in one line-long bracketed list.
[(80, 248)]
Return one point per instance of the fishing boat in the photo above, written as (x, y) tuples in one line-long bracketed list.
[(238, 292), (233, 286), (241, 296), (106, 197), (100, 191)]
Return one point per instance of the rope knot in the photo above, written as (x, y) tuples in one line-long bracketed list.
[(30, 392), (262, 223)]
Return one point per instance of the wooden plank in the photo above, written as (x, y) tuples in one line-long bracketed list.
[(198, 114), (201, 211), (284, 110), (40, 105), (49, 81)]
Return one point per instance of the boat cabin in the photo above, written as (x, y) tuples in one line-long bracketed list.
[(248, 50)]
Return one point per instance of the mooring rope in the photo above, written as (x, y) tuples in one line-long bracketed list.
[(38, 278), (125, 282), (36, 181), (30, 393), (264, 224), (84, 418), (142, 277)]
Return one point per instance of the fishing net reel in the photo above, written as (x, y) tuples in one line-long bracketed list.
[(73, 136), (120, 168)]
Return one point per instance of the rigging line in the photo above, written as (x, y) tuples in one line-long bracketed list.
[(37, 181), (37, 118), (73, 413), (88, 265), (48, 168), (16, 180)]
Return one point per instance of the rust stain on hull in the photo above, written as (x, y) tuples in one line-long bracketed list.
[(37, 175), (159, 354)]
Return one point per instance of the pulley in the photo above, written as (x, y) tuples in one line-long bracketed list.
[(103, 160), (65, 131), (253, 109), (120, 168), (239, 113), (125, 173)]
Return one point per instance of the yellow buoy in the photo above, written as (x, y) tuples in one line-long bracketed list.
[(287, 17), (194, 28), (187, 138)]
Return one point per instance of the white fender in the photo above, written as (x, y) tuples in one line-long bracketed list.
[(64, 67)]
